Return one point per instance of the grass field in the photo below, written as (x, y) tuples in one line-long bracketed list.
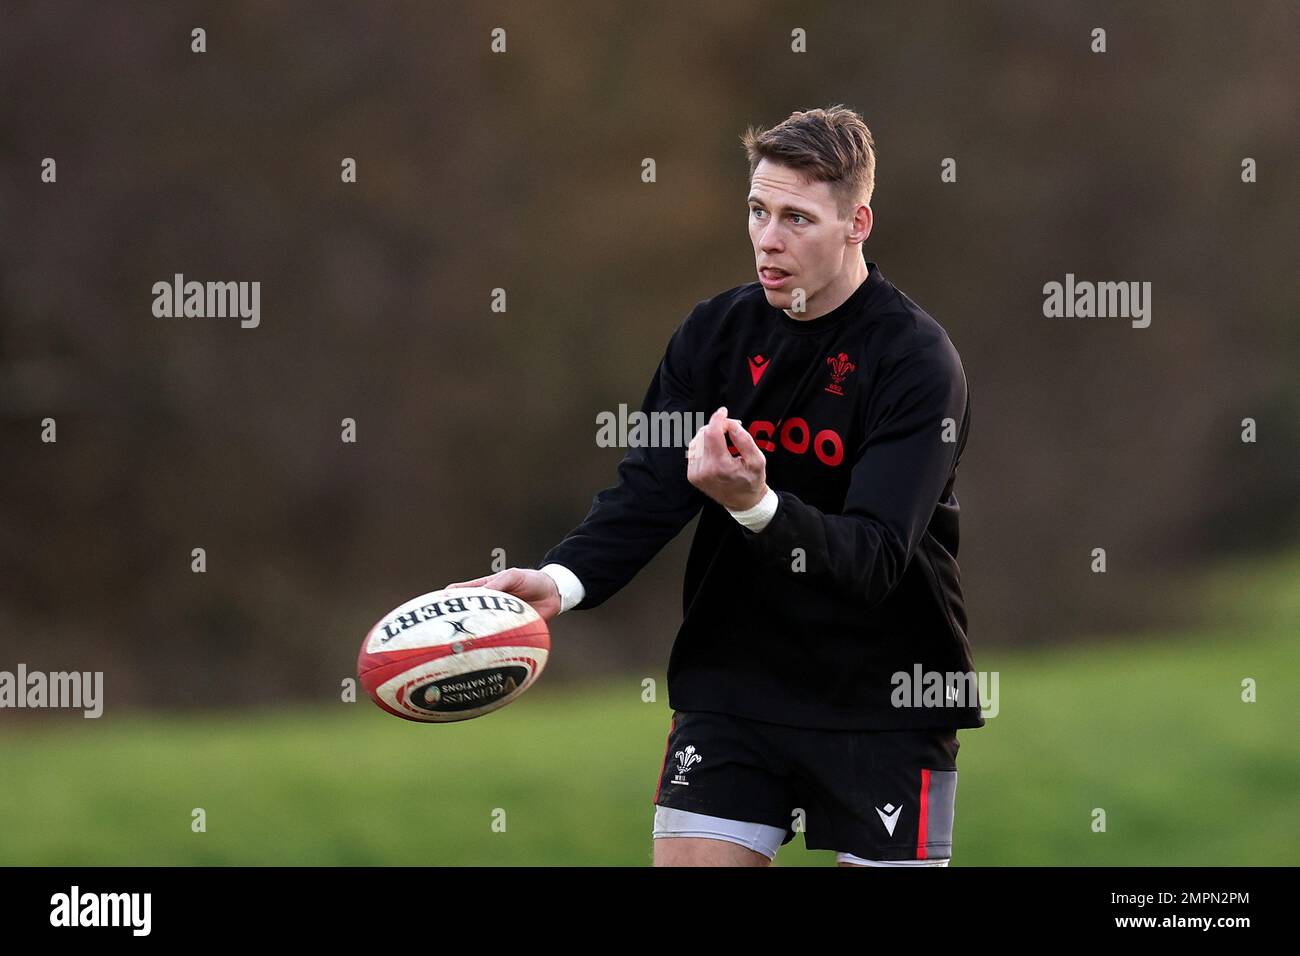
[(1149, 727)]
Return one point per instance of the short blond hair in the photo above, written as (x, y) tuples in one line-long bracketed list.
[(830, 146)]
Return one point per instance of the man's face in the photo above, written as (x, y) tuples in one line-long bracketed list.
[(795, 228)]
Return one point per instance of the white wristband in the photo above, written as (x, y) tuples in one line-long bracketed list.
[(566, 582), (757, 517)]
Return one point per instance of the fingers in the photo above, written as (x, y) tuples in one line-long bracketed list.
[(477, 582), (750, 453), (710, 446), (508, 580), (723, 473), (699, 449), (501, 581), (713, 436), (716, 441)]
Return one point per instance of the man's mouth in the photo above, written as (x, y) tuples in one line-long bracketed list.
[(772, 278)]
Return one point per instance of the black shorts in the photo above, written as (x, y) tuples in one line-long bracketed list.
[(876, 794)]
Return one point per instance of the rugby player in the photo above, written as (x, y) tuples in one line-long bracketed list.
[(823, 571)]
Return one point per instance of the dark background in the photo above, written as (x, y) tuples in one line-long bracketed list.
[(476, 430)]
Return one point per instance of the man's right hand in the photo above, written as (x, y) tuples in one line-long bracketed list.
[(524, 583)]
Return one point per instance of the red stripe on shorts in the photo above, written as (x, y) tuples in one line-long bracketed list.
[(924, 820)]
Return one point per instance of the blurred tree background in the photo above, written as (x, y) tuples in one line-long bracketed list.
[(521, 171)]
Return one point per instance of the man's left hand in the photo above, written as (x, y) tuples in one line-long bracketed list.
[(735, 482)]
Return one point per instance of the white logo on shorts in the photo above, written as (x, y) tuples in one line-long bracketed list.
[(686, 759), (889, 816)]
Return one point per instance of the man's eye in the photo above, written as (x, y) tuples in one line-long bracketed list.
[(795, 215), (754, 210)]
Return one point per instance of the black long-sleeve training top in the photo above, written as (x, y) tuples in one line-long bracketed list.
[(848, 604)]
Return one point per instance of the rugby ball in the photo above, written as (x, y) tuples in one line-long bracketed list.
[(453, 654)]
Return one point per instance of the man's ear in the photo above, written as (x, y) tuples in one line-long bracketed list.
[(863, 220)]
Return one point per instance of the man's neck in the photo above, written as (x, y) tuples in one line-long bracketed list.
[(836, 294)]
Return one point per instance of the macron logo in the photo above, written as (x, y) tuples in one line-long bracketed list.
[(889, 816), (757, 366)]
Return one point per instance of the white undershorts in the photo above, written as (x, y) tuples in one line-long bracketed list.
[(758, 837)]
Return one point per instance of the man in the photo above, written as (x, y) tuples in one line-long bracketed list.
[(822, 579)]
